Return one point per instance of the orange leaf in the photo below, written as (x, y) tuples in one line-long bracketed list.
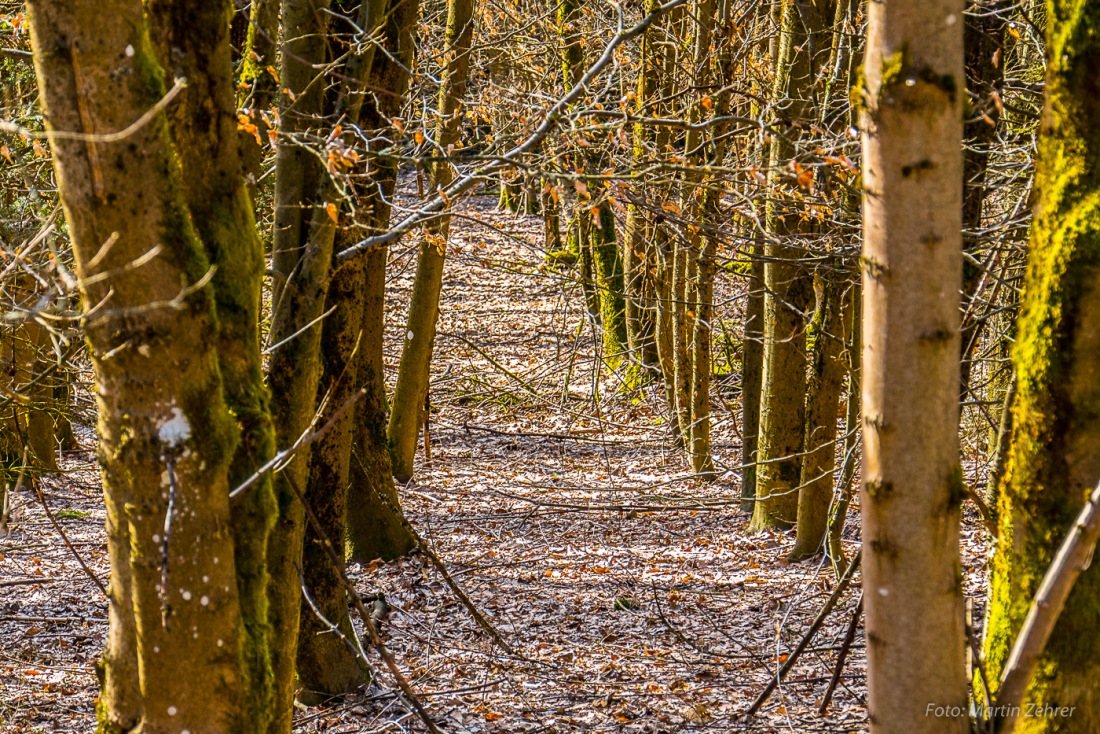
[(419, 137), (6, 152), (330, 208)]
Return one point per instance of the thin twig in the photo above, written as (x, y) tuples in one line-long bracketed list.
[(57, 526), (849, 638), (368, 620), (809, 636)]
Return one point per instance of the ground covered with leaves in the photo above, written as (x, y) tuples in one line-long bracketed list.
[(630, 595)]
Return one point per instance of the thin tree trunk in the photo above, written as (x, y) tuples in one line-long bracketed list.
[(912, 264), (838, 516), (752, 369), (640, 324), (822, 402), (608, 272), (412, 377), (302, 260)]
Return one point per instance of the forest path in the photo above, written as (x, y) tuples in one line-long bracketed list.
[(633, 597), (559, 503)]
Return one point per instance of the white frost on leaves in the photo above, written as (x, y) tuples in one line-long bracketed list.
[(176, 429)]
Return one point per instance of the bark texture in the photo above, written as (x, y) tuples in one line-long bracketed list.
[(1052, 461), (912, 483), (411, 391), (167, 436)]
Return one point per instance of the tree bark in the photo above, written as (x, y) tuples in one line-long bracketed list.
[(412, 377), (193, 42), (167, 437), (912, 481), (1052, 462)]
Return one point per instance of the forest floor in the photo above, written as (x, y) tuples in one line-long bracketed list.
[(632, 596)]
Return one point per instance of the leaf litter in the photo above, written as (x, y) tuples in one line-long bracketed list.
[(632, 596)]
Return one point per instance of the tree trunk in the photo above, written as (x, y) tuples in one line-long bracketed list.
[(608, 273), (912, 482), (167, 437), (636, 254), (802, 50), (822, 402), (302, 260), (752, 369), (193, 42), (375, 521), (838, 515), (412, 377), (1052, 462), (375, 526)]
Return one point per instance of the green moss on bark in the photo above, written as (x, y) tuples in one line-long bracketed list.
[(1052, 462)]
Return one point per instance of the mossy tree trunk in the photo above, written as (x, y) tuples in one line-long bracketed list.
[(1052, 462), (912, 265), (375, 524), (637, 255), (826, 378), (326, 666), (802, 51), (193, 43), (406, 413), (302, 247), (167, 436), (608, 272)]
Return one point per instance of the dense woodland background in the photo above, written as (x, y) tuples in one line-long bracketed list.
[(525, 339)]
